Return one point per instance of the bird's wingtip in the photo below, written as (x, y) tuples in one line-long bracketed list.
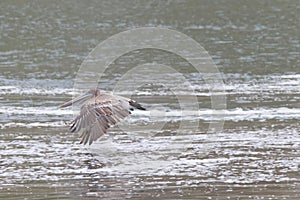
[(136, 105)]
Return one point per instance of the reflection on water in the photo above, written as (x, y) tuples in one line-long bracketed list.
[(255, 156)]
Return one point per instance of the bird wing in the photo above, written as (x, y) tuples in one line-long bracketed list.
[(97, 115)]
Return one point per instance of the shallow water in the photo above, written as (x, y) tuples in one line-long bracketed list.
[(150, 155)]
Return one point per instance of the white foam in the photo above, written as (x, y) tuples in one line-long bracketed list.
[(18, 90), (157, 116), (236, 114), (33, 124), (17, 110)]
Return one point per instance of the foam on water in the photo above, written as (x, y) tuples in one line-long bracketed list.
[(33, 124), (244, 155), (237, 114), (17, 110), (151, 155), (17, 90), (289, 84)]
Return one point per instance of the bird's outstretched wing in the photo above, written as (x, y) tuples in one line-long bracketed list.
[(98, 112), (97, 115)]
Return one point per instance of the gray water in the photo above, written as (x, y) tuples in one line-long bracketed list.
[(255, 45)]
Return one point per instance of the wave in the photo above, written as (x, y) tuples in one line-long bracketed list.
[(153, 116)]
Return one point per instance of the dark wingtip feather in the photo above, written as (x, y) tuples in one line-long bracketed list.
[(136, 105)]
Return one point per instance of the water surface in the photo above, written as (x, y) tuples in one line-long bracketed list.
[(256, 156)]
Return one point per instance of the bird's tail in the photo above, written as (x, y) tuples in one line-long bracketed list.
[(136, 105)]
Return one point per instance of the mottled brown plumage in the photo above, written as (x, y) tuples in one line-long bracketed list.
[(98, 112)]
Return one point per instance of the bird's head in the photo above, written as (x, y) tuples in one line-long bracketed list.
[(94, 92)]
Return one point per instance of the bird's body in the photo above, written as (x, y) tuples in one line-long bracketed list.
[(98, 112)]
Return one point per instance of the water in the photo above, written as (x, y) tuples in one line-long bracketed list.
[(256, 156)]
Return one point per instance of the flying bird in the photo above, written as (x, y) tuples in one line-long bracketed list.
[(98, 112)]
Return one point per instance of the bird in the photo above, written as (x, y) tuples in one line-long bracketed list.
[(99, 111)]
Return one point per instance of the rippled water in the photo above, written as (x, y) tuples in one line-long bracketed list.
[(256, 156)]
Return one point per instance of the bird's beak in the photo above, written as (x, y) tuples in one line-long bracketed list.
[(79, 100)]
